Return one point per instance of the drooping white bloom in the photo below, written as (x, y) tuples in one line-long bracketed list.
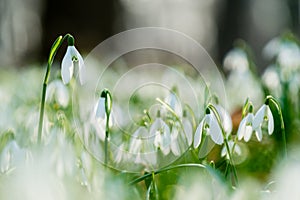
[(264, 113), (58, 91), (67, 65), (233, 147), (161, 132), (246, 129), (211, 127), (236, 59)]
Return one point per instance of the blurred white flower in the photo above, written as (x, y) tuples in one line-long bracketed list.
[(210, 125), (264, 113), (271, 79), (11, 156), (161, 131), (272, 48), (289, 56), (236, 59), (67, 65), (58, 91), (233, 148)]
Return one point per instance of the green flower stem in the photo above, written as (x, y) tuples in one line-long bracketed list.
[(108, 104), (282, 128), (106, 141), (165, 170), (214, 110), (57, 43)]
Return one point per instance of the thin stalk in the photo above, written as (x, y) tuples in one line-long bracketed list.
[(281, 123), (57, 43), (213, 109), (106, 141)]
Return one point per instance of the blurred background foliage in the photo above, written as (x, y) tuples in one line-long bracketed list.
[(28, 27)]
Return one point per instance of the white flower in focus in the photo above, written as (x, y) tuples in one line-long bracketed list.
[(67, 65), (246, 129), (160, 130), (272, 80), (264, 113), (233, 147), (210, 125), (58, 91)]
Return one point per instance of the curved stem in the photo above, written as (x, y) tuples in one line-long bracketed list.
[(106, 141), (214, 110), (166, 169), (57, 43), (276, 103)]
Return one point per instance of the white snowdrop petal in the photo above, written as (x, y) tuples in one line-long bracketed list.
[(215, 131), (242, 127), (198, 134), (259, 117), (258, 134), (81, 70), (67, 67), (248, 133), (224, 151), (225, 119)]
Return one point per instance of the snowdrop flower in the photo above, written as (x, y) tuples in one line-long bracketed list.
[(58, 91), (246, 129), (264, 113), (103, 108), (289, 56), (210, 125), (161, 131), (234, 148), (67, 65), (236, 59)]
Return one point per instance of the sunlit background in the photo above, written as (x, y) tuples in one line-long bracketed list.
[(28, 27)]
